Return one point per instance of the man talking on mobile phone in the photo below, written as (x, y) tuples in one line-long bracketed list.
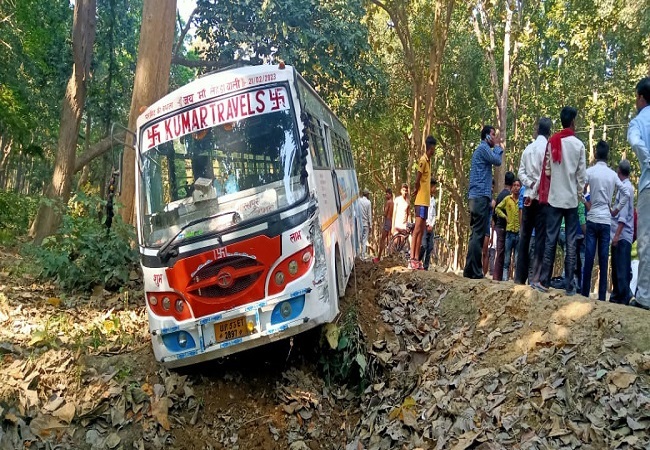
[(487, 154)]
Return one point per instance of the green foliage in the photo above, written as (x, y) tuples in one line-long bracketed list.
[(344, 357), (83, 253), (16, 213), (326, 41)]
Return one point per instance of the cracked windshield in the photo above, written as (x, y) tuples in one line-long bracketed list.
[(232, 172)]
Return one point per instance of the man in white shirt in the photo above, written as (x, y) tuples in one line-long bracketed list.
[(638, 135), (530, 170), (427, 240), (366, 221), (401, 207), (565, 164), (622, 233), (601, 181)]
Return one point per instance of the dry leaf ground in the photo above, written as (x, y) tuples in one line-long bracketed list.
[(461, 364)]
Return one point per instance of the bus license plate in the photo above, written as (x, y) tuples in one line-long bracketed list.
[(231, 329)]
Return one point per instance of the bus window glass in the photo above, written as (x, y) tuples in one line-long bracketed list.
[(244, 169)]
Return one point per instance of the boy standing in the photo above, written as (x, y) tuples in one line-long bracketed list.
[(427, 240), (422, 199), (622, 232), (508, 210), (601, 180), (500, 228)]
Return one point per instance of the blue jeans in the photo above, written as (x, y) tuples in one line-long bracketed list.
[(597, 235), (426, 248), (512, 242), (621, 264)]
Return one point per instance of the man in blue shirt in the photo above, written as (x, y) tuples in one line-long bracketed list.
[(638, 135), (486, 155)]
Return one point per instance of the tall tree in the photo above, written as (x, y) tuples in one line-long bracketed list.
[(151, 82), (422, 28), (83, 38)]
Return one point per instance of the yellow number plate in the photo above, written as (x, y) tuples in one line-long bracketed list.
[(231, 329)]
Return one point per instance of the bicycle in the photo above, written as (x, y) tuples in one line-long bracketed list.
[(400, 243)]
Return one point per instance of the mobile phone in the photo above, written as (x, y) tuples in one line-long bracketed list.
[(488, 138)]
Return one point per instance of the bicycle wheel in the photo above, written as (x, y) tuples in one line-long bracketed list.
[(441, 255), (396, 245)]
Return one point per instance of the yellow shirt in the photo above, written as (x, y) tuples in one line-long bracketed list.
[(424, 192), (509, 209)]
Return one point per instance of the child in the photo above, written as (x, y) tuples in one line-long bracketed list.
[(508, 209)]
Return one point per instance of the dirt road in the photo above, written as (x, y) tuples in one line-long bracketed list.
[(422, 360)]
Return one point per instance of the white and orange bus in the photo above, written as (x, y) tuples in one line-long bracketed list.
[(247, 214)]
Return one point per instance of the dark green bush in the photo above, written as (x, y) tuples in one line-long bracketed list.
[(16, 213), (83, 253)]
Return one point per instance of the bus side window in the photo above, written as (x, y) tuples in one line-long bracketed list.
[(316, 144)]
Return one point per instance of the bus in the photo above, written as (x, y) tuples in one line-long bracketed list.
[(247, 212)]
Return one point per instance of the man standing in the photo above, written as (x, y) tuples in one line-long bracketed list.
[(622, 231), (500, 229), (601, 181), (422, 199), (638, 135), (388, 222), (427, 240), (565, 164), (530, 171), (401, 210), (366, 221), (486, 155)]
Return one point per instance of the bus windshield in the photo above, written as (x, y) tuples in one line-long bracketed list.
[(225, 173)]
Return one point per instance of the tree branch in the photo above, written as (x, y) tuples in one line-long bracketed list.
[(97, 149), (184, 31)]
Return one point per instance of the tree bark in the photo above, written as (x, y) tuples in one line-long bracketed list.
[(96, 150), (83, 37), (151, 82)]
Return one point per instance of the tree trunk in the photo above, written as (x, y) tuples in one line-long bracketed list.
[(83, 38), (151, 82), (500, 92)]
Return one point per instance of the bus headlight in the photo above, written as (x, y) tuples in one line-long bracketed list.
[(279, 278), (153, 300), (285, 309), (293, 268), (182, 339), (166, 303), (179, 305), (306, 256)]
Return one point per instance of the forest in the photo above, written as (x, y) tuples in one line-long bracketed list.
[(75, 359), (393, 71)]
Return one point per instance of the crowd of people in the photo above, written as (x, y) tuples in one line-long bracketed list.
[(558, 200), (397, 214)]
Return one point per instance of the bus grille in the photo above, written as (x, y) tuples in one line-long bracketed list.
[(244, 271)]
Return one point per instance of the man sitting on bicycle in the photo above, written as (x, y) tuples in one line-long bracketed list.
[(427, 240)]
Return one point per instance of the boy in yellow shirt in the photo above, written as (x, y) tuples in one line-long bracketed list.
[(508, 209), (422, 196)]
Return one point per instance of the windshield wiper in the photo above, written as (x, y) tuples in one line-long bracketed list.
[(166, 250)]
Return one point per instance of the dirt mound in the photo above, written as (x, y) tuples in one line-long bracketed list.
[(480, 364), (455, 364)]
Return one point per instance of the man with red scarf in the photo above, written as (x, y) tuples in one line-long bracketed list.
[(566, 166)]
